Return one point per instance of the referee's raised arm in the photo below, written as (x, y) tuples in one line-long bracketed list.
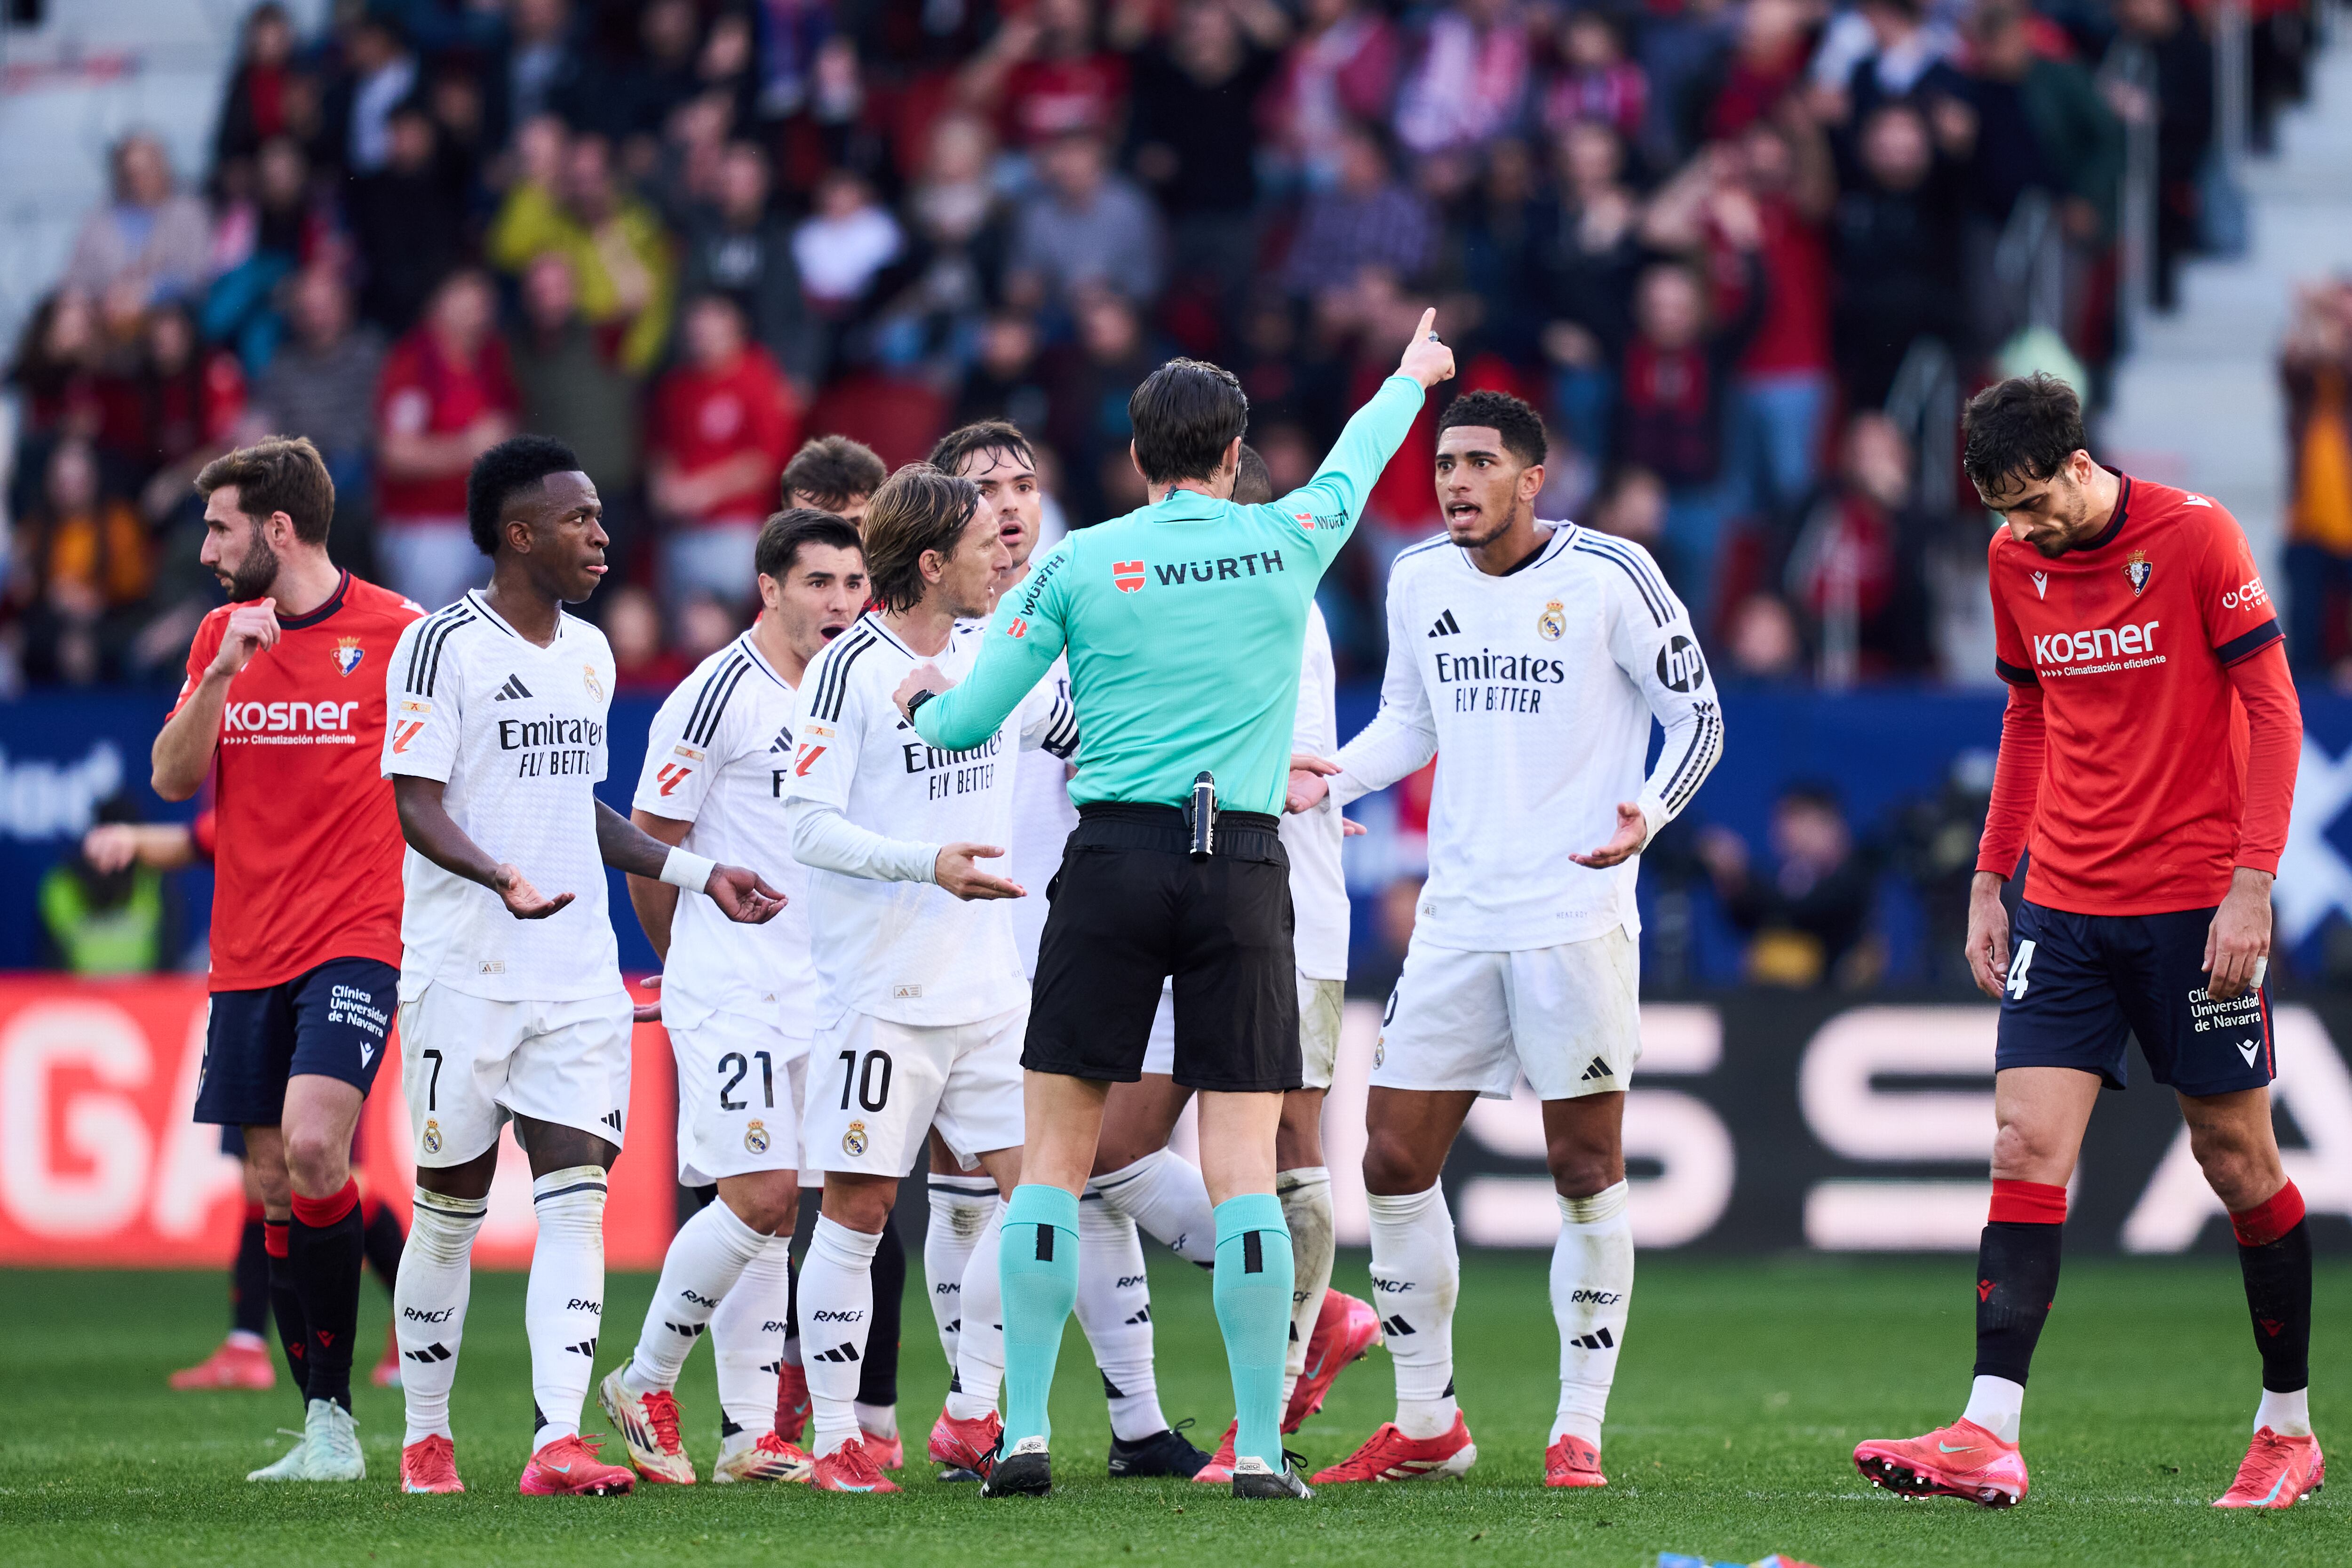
[(1183, 623)]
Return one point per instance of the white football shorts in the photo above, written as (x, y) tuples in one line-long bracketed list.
[(1568, 1017), (1319, 1004), (468, 1065), (875, 1089), (737, 1111)]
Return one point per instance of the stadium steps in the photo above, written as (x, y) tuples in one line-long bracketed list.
[(2198, 402)]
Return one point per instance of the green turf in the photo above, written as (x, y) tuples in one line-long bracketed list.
[(1743, 1390)]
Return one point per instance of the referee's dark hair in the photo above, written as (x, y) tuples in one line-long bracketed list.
[(1185, 415), (916, 510), (984, 435), (517, 463), (2023, 428), (782, 535), (1520, 426), (276, 474)]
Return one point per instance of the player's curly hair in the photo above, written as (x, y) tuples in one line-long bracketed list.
[(2025, 427), (1520, 426), (517, 463), (916, 510)]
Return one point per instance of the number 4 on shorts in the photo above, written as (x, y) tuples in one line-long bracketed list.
[(2018, 964)]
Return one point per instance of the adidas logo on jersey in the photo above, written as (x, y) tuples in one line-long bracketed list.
[(611, 1119), (513, 690), (1446, 626), (783, 741), (1599, 1069)]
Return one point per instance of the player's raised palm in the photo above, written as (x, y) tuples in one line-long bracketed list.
[(251, 629), (524, 901), (958, 872), (743, 895), (1632, 832)]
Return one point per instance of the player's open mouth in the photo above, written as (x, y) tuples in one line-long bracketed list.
[(1463, 509), (829, 633)]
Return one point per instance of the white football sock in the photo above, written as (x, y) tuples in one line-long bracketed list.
[(1114, 1311), (979, 1346), (877, 1420), (1416, 1280), (747, 1341), (1997, 1404), (706, 1259), (1306, 1194), (1591, 1287), (836, 1314), (2288, 1415), (428, 1305), (962, 1208), (563, 1307), (1163, 1192)]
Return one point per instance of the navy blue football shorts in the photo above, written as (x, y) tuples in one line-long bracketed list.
[(334, 1020), (2078, 984)]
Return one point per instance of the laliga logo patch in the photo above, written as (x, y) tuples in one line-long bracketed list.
[(1128, 576), (348, 653), (2137, 572), (431, 1142), (755, 1138), (1552, 625), (853, 1143), (588, 679)]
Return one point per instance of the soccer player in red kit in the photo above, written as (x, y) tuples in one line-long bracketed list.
[(2147, 763), (284, 697)]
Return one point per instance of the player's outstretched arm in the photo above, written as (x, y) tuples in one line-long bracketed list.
[(655, 900), (426, 825), (741, 894), (182, 753), (1024, 637)]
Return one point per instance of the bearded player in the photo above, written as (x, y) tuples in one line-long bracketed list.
[(285, 698), (510, 1001), (739, 1002), (1530, 658), (2147, 762)]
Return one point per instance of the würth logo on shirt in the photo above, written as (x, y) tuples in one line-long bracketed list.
[(1128, 575)]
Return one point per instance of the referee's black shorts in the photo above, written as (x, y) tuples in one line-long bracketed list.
[(1132, 907)]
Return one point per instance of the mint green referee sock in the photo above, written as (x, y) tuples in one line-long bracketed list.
[(1252, 1288), (1038, 1270)]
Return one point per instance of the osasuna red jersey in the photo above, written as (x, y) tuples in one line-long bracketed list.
[(2142, 801), (307, 844)]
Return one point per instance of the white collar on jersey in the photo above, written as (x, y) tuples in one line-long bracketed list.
[(759, 660), (481, 601)]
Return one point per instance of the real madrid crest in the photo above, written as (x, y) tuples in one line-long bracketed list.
[(755, 1137), (588, 679), (1552, 625), (431, 1140), (2137, 572), (853, 1143)]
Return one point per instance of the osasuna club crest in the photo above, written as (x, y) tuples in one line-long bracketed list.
[(2137, 572), (348, 653)]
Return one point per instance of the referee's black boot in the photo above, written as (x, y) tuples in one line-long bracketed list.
[(1167, 1452), (1026, 1471), (1254, 1477)]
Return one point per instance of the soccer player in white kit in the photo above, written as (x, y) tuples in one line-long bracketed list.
[(740, 1003), (1530, 658), (511, 1000), (922, 1004)]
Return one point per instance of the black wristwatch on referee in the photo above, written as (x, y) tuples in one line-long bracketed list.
[(918, 700)]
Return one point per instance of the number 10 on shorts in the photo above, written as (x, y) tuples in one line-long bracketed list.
[(873, 1086)]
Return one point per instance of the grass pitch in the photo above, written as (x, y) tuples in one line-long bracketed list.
[(1743, 1390)]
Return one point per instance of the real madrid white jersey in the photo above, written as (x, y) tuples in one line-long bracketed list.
[(517, 733), (1535, 691), (1319, 892), (717, 755), (905, 950)]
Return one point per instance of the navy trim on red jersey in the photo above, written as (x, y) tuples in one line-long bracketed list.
[(334, 602), (2018, 675), (2253, 643), (2123, 505)]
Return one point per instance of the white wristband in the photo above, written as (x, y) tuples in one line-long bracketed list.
[(687, 871)]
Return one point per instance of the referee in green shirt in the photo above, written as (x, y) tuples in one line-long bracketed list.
[(1184, 623)]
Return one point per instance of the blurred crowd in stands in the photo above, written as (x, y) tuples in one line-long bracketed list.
[(1744, 254)]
